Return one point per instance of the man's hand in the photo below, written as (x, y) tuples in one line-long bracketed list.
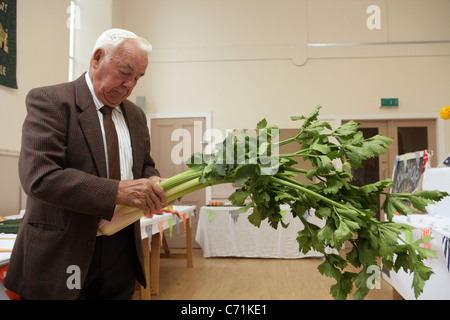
[(145, 194)]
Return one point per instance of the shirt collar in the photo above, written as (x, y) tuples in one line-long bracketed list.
[(97, 102)]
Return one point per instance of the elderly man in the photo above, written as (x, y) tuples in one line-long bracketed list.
[(74, 176)]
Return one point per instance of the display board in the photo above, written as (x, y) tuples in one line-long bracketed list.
[(8, 43), (408, 170)]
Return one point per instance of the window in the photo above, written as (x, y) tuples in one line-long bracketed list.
[(72, 23)]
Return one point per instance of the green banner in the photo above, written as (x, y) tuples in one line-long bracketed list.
[(8, 43)]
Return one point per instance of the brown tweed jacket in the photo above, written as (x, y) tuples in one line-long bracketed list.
[(62, 170)]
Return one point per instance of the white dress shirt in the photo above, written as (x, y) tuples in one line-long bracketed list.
[(126, 155)]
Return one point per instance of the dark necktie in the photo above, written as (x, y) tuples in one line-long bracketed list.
[(112, 143)]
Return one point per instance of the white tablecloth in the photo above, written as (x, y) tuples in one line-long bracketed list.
[(167, 220), (436, 224), (438, 286), (6, 243), (222, 233), (438, 179)]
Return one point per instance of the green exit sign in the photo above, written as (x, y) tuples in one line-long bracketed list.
[(391, 102)]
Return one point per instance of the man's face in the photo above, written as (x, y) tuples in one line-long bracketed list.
[(115, 76)]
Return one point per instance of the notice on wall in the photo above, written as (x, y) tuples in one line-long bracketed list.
[(408, 170), (8, 52)]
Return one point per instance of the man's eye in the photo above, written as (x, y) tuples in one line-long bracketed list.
[(124, 74)]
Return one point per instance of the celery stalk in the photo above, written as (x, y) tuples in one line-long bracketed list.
[(175, 187)]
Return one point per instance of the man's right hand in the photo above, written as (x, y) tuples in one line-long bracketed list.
[(145, 194)]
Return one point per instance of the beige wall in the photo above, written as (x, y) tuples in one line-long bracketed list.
[(245, 60), (42, 58)]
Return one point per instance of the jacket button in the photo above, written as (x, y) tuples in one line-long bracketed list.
[(91, 243)]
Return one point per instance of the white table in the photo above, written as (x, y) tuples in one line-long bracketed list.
[(6, 245), (437, 224), (7, 241), (438, 286), (152, 230), (223, 233)]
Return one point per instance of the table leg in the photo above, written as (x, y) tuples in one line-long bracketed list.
[(145, 293), (142, 293), (189, 258), (188, 255), (154, 264), (166, 247), (396, 295)]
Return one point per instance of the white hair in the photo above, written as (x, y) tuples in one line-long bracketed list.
[(111, 38)]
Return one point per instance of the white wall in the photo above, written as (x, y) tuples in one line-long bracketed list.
[(94, 18), (244, 60), (42, 59)]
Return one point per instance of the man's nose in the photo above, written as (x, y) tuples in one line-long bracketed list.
[(129, 83)]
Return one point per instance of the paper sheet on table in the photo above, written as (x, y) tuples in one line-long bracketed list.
[(6, 245), (438, 179)]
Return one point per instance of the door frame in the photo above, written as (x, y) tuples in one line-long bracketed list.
[(187, 115), (440, 130)]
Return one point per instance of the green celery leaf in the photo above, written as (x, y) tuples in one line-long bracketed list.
[(343, 286), (245, 208), (261, 124), (388, 208), (319, 146), (376, 187), (243, 173), (255, 217), (347, 128), (421, 274), (401, 207), (435, 195), (307, 238), (238, 197), (333, 186), (323, 212), (312, 117), (343, 232), (330, 267)]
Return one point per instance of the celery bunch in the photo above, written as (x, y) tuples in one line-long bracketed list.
[(175, 187), (266, 180)]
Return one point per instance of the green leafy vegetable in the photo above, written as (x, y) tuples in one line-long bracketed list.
[(348, 211), (267, 181)]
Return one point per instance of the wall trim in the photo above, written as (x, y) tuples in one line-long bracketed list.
[(9, 153)]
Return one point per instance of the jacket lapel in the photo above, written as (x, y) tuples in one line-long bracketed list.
[(90, 124), (136, 137)]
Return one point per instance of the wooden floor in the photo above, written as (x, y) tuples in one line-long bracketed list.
[(253, 279)]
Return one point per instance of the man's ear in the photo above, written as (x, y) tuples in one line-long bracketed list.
[(98, 55)]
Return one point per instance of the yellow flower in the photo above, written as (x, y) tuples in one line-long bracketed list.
[(445, 113)]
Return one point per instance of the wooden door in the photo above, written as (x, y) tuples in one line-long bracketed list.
[(291, 148), (374, 169), (408, 136), (174, 140), (414, 135)]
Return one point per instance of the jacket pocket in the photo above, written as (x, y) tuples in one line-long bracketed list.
[(46, 227)]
